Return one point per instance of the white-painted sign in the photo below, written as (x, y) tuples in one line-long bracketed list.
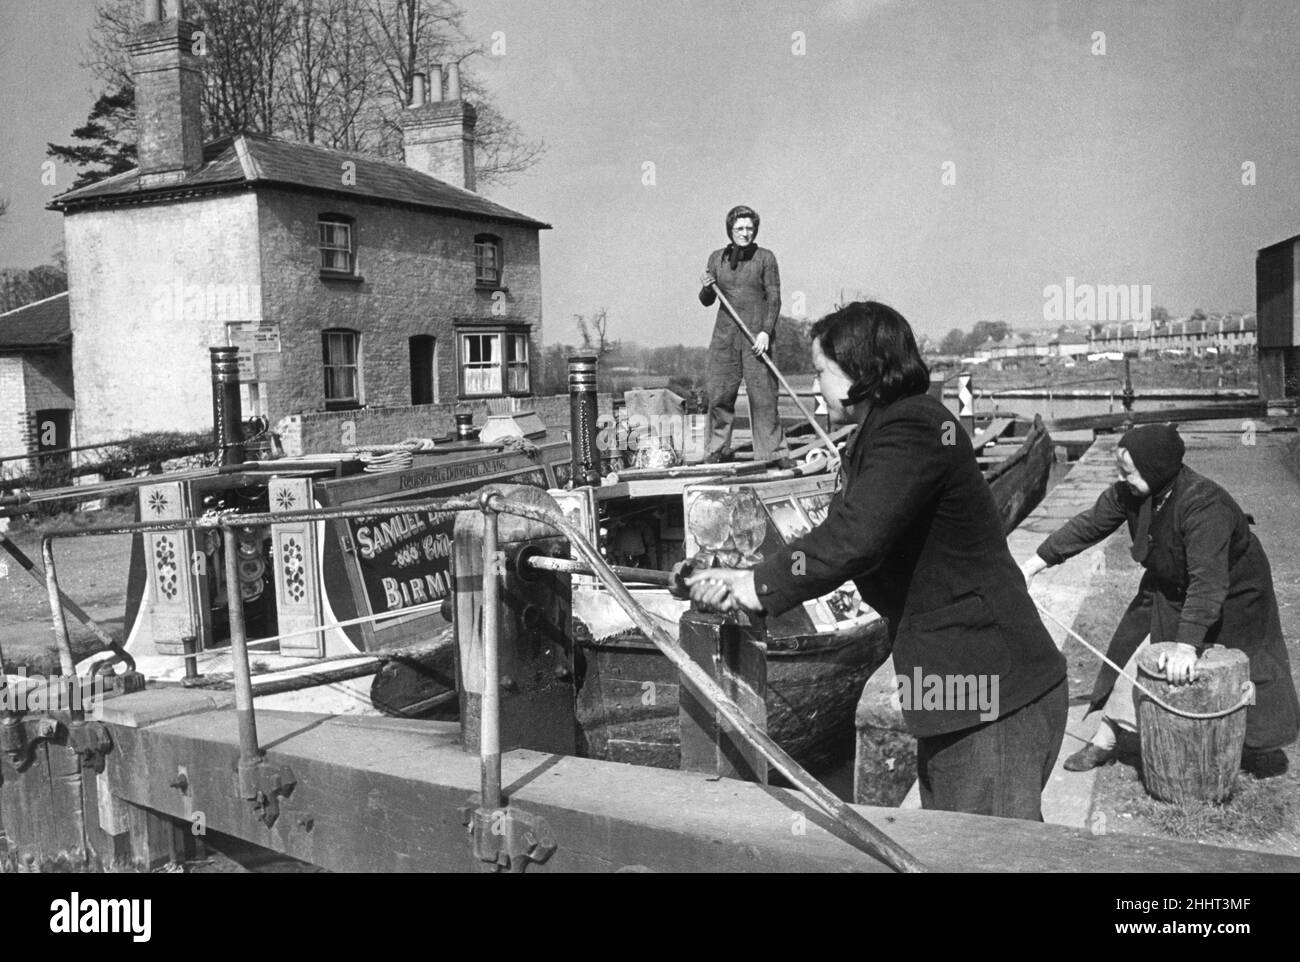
[(259, 349)]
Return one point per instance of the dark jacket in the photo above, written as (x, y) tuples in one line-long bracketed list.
[(915, 527), (753, 289), (1206, 581)]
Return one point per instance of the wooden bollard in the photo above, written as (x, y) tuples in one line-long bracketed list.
[(1192, 759), (736, 659)]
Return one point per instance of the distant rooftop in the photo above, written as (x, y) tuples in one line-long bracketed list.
[(240, 160)]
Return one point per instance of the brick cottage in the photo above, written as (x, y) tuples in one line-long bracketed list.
[(389, 292)]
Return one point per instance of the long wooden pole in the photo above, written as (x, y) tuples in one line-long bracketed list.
[(831, 449), (871, 838)]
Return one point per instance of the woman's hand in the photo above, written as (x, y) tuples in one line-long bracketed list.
[(760, 343), (707, 279), (1032, 566), (1179, 665), (726, 589)]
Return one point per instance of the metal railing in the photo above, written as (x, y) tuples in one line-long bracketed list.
[(491, 503)]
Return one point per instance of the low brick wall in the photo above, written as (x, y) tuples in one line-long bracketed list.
[(322, 432)]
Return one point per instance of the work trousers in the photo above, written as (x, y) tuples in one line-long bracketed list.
[(730, 359), (997, 768)]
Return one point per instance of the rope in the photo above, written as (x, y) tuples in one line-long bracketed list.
[(1247, 688)]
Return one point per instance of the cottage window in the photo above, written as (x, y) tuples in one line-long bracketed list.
[(487, 260), (494, 363), (342, 356), (337, 254)]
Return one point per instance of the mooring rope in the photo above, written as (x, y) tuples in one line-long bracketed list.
[(1247, 688)]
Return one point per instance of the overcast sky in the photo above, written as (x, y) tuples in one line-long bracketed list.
[(837, 120)]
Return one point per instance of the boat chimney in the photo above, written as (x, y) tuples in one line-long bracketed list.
[(227, 431), (582, 420)]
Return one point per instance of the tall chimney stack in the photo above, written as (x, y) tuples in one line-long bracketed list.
[(438, 133), (168, 97)]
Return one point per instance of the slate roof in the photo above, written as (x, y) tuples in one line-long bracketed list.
[(240, 160), (40, 325)]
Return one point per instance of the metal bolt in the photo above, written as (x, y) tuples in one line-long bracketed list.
[(181, 783)]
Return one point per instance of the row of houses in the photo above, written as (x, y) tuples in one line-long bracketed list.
[(1227, 334), (349, 283)]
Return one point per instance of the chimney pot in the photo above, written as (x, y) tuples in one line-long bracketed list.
[(418, 84), (438, 139)]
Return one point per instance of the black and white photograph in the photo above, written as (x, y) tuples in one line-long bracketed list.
[(704, 436)]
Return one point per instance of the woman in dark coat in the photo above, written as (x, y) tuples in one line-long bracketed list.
[(1206, 582), (748, 277), (914, 525)]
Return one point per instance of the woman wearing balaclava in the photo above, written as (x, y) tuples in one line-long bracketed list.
[(1206, 582), (748, 277)]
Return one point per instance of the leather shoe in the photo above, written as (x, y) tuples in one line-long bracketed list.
[(1089, 757), (1267, 764)]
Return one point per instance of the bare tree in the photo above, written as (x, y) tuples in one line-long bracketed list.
[(594, 333), (331, 73), (335, 72)]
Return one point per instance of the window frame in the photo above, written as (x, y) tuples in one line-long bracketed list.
[(329, 366), (502, 364), (337, 220), (496, 281)]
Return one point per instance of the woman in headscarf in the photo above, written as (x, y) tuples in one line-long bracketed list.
[(748, 277), (1206, 582)]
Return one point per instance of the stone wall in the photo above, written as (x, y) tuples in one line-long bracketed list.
[(15, 429)]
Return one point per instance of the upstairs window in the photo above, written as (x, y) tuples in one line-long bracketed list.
[(487, 260), (494, 363), (336, 236), (342, 356)]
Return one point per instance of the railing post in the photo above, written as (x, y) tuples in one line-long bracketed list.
[(490, 708), (249, 752), (61, 640)]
